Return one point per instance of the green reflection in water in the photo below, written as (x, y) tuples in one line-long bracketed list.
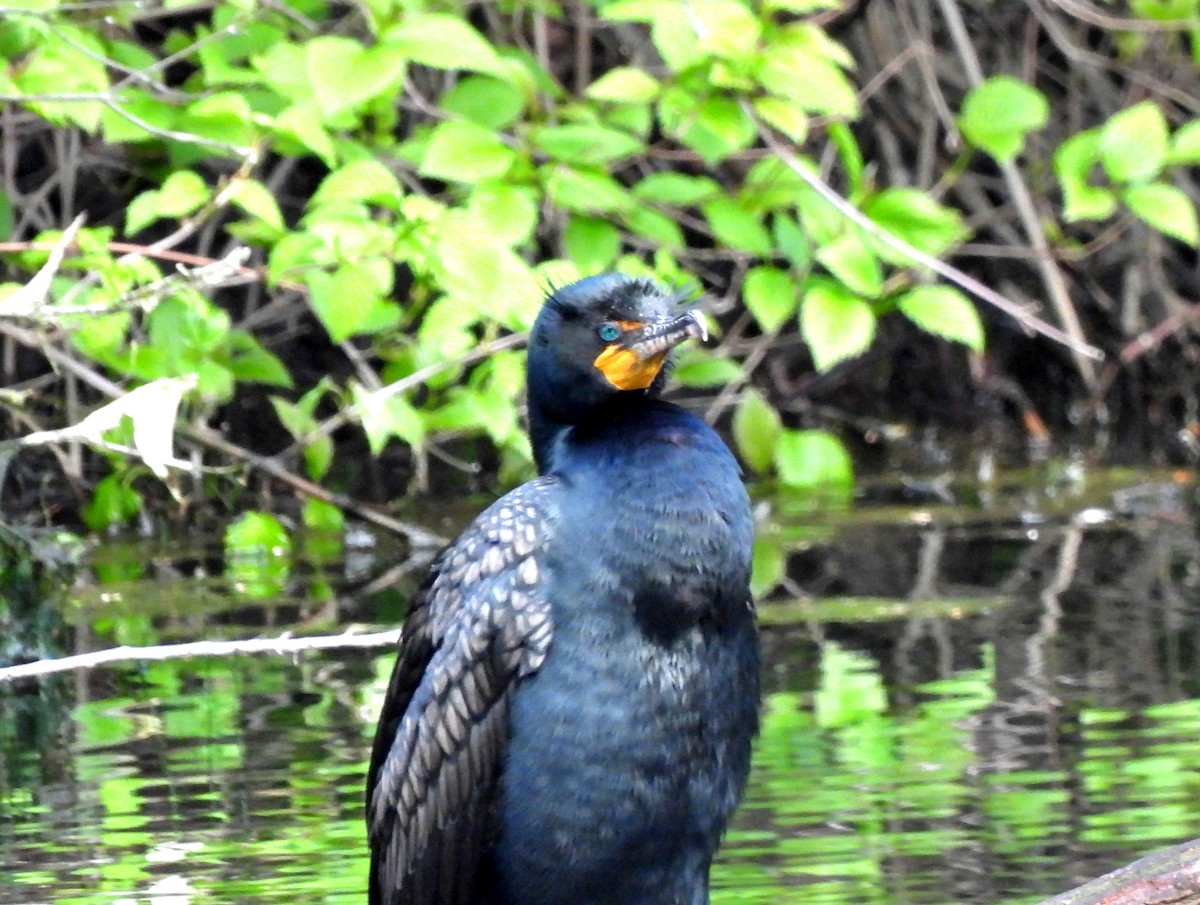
[(240, 781)]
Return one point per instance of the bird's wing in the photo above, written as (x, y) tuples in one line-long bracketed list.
[(480, 623)]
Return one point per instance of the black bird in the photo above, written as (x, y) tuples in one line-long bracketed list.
[(570, 716)]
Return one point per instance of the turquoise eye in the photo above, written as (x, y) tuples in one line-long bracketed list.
[(609, 332)]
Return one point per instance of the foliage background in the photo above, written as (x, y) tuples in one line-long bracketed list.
[(409, 177)]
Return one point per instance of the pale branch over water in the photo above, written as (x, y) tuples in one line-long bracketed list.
[(281, 644)]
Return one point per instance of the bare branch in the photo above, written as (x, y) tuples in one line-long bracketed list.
[(279, 646), (1052, 277)]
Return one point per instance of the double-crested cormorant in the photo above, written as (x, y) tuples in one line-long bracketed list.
[(570, 716)]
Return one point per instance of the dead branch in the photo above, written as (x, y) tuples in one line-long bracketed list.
[(280, 645)]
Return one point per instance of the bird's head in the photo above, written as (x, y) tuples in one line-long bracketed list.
[(601, 337)]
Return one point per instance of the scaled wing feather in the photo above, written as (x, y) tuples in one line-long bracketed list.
[(479, 625)]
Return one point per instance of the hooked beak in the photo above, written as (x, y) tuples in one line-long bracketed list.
[(635, 358)]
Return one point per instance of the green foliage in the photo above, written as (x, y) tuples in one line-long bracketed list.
[(772, 296), (445, 176), (945, 312), (756, 430), (1166, 208), (1135, 151), (812, 460), (837, 324), (1134, 144), (998, 114)]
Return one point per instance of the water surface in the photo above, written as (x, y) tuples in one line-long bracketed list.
[(961, 707)]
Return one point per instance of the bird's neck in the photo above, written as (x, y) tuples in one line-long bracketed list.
[(546, 433), (544, 436)]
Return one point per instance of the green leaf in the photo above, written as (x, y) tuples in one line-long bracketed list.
[(726, 29), (772, 296), (998, 114), (636, 119), (792, 242), (294, 418), (225, 117), (318, 456), (58, 67), (101, 336), (770, 185), (1134, 143), (256, 200), (592, 243), (655, 227), (321, 517), (679, 189), (585, 143), (1185, 144), (485, 101), (1166, 208), (303, 125), (736, 227), (804, 66), (363, 180), (624, 85), (945, 312), (508, 211), (812, 459), (917, 219), (443, 41), (836, 323), (698, 368), (386, 415), (850, 260), (714, 127), (187, 324), (181, 194), (140, 106), (851, 156), (332, 63), (482, 275), (1073, 163), (785, 115), (349, 301), (249, 361), (756, 429), (465, 152), (585, 190)]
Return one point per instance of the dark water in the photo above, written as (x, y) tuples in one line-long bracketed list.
[(961, 708)]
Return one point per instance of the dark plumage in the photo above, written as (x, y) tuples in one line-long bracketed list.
[(570, 716)]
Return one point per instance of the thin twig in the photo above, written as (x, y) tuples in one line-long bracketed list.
[(1052, 277), (133, 248), (100, 97), (281, 645), (270, 466), (1085, 12)]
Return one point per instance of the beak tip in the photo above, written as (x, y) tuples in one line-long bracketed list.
[(701, 324)]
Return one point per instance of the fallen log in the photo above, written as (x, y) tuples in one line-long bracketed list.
[(1169, 877)]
